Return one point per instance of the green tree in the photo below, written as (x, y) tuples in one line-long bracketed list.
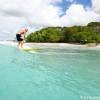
[(79, 34)]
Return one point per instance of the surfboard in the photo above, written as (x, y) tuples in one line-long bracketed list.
[(30, 49)]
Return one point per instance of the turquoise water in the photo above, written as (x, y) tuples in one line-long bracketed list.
[(49, 74)]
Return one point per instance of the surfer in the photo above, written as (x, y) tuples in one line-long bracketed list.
[(20, 36)]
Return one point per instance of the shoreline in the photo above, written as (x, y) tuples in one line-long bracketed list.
[(52, 45)]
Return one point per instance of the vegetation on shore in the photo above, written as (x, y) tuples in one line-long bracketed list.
[(74, 34)]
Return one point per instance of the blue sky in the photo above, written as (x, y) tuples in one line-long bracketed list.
[(84, 2), (36, 14), (65, 4)]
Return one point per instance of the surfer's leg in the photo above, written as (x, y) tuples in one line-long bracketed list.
[(22, 42), (18, 44)]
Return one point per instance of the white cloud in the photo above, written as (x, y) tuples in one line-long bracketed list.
[(39, 13), (19, 13), (34, 11), (78, 15), (96, 6)]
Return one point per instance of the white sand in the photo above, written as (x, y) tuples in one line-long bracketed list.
[(50, 45)]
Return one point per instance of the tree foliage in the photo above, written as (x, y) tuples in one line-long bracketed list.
[(76, 34)]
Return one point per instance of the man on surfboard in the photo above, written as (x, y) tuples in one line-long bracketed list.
[(21, 37)]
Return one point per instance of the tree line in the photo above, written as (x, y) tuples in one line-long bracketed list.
[(74, 34)]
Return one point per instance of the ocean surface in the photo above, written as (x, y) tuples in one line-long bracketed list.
[(49, 74)]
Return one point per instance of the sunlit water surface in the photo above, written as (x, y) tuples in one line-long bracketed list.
[(49, 74)]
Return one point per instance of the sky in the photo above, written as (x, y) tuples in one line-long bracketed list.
[(36, 14)]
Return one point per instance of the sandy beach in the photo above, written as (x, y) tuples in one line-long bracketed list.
[(51, 45)]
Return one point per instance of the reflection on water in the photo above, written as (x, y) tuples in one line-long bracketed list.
[(49, 74)]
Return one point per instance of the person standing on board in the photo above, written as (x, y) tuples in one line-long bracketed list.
[(20, 36)]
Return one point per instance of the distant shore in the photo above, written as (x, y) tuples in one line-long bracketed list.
[(52, 45)]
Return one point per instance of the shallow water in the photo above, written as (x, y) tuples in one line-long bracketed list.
[(49, 74)]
